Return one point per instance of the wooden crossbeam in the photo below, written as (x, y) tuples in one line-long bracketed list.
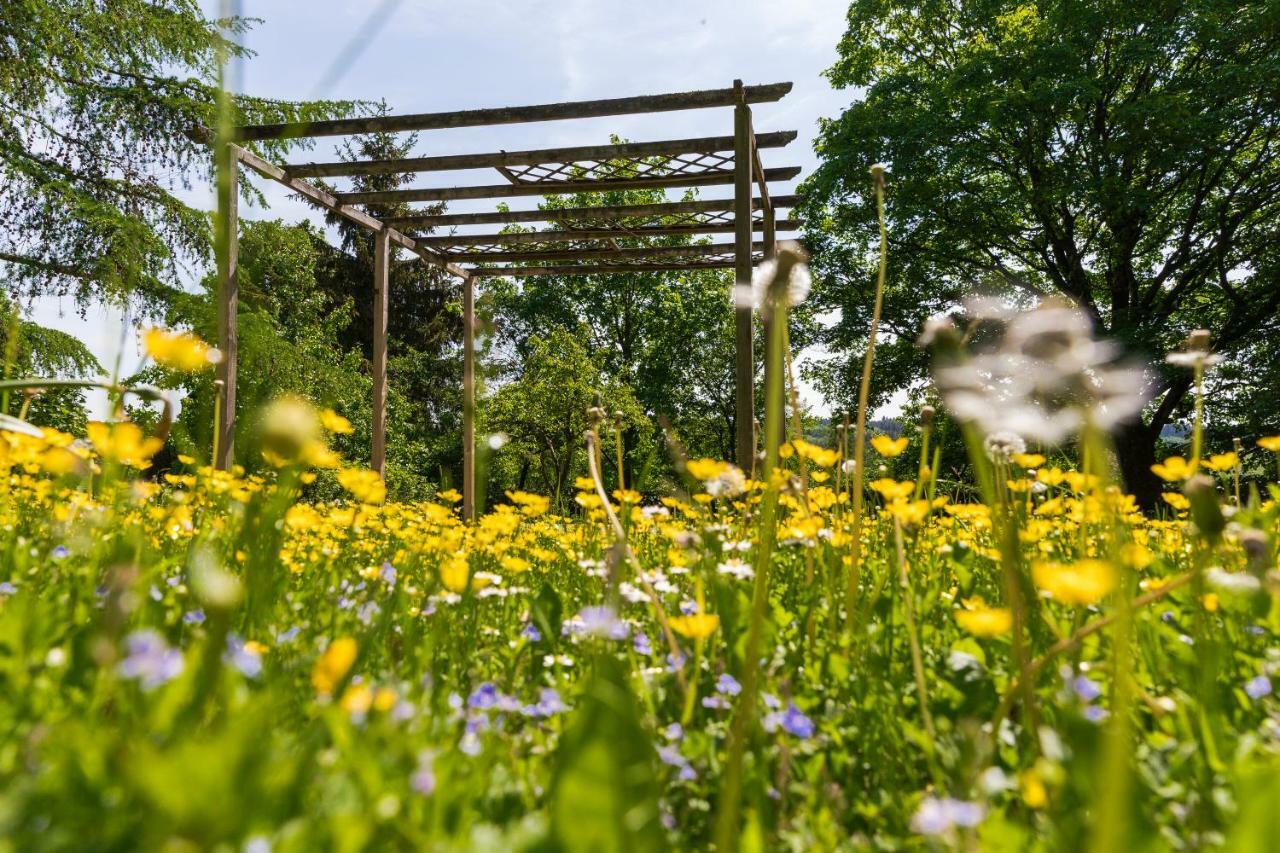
[(506, 159), (558, 236), (599, 269), (513, 115), (702, 179), (599, 254), (336, 205), (565, 214)]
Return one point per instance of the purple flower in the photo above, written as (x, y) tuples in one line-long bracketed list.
[(671, 755), (367, 611), (549, 703), (1086, 688), (1258, 687), (531, 633), (640, 642), (485, 696), (194, 617), (688, 606), (8, 588), (247, 661), (388, 574), (1095, 714), (687, 773), (792, 721), (728, 685), (150, 659), (601, 621), (939, 816), (288, 636), (715, 702), (470, 744), (60, 552), (155, 593), (423, 780)]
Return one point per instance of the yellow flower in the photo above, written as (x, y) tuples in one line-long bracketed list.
[(908, 512), (291, 432), (365, 485), (123, 443), (530, 504), (333, 665), (450, 495), (1271, 442), (1177, 500), (699, 469), (983, 621), (695, 626), (1135, 555), (892, 489), (1210, 601), (335, 423), (820, 456), (515, 564), (1028, 460), (1034, 793), (889, 447), (1173, 469), (454, 573), (181, 351), (1221, 461), (1081, 583)]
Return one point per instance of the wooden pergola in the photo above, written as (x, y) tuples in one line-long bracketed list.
[(577, 241)]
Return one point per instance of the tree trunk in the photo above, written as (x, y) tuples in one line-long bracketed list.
[(1136, 451)]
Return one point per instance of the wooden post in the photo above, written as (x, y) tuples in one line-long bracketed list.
[(770, 253), (381, 286), (744, 362), (469, 497), (228, 300)]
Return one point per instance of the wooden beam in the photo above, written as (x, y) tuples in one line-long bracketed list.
[(381, 286), (779, 411), (744, 357), (599, 254), (515, 115), (228, 304), (561, 236), (626, 211), (711, 177), (506, 159), (600, 269), (470, 500), (330, 202)]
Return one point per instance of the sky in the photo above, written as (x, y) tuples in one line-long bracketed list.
[(434, 55)]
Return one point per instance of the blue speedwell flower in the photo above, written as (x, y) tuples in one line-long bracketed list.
[(1258, 687), (150, 660)]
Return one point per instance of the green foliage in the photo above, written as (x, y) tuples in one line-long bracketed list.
[(30, 350), (604, 794), (544, 416), (1122, 155), (98, 107)]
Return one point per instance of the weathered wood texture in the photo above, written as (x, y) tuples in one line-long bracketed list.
[(329, 202), (504, 159), (381, 286), (571, 214), (605, 254), (469, 496), (228, 305), (709, 178), (744, 360), (575, 234), (516, 115), (600, 269)]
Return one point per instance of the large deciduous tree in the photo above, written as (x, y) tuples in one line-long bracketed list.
[(98, 104), (1120, 154)]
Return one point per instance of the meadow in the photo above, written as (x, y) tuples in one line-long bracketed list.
[(788, 658)]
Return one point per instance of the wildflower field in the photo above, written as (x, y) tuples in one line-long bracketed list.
[(779, 659)]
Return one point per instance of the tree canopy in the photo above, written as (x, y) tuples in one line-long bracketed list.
[(99, 105), (1122, 155)]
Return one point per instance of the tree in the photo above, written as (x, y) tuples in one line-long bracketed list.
[(29, 350), (98, 104), (544, 412), (1123, 155), (666, 335), (424, 335)]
